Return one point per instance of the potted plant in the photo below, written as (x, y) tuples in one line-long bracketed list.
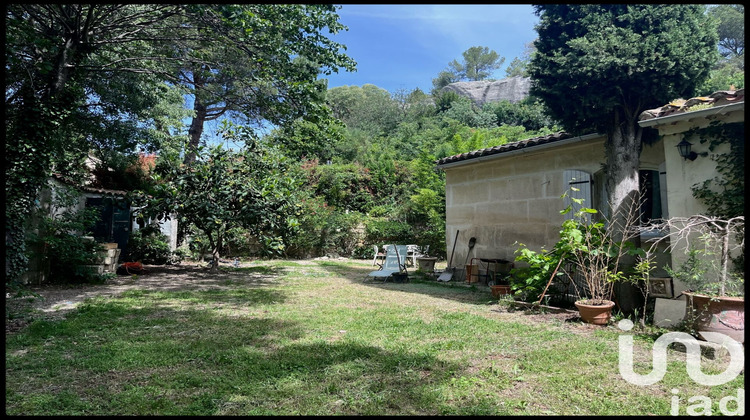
[(588, 249), (602, 253), (715, 294)]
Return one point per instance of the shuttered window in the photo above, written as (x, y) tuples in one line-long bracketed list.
[(663, 190), (578, 184), (653, 186)]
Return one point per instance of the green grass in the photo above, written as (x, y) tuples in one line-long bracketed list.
[(318, 341)]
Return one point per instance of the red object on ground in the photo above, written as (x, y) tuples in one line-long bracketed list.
[(132, 267)]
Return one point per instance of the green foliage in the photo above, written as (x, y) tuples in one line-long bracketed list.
[(444, 99), (519, 65), (149, 246), (724, 194), (618, 59), (588, 248), (724, 77), (309, 140), (516, 68), (731, 28), (348, 187), (323, 230), (464, 111), (528, 282), (79, 78), (367, 108), (222, 189), (381, 230), (57, 241), (699, 273), (198, 244), (478, 64), (529, 113)]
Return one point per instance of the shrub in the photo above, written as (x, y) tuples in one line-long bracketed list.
[(149, 246), (380, 230), (324, 230)]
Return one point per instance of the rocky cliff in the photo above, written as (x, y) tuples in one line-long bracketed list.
[(513, 89)]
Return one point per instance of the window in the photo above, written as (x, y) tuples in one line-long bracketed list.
[(578, 185), (653, 195)]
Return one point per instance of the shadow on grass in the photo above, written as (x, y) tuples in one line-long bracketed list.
[(131, 357), (418, 283)]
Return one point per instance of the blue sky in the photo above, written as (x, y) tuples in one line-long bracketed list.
[(405, 46)]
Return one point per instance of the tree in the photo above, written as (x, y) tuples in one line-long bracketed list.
[(731, 21), (517, 67), (263, 64), (73, 73), (224, 189), (368, 108), (478, 64), (443, 79), (464, 110), (305, 139), (81, 74), (528, 113), (730, 69), (597, 67)]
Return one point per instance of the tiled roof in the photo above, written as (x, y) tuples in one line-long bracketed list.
[(507, 147), (722, 97)]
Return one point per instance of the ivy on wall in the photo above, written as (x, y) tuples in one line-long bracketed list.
[(724, 194)]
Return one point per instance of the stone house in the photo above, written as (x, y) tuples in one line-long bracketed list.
[(117, 216), (511, 194)]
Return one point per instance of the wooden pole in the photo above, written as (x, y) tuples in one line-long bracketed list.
[(550, 281)]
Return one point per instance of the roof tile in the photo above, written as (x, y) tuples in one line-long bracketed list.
[(507, 147), (719, 98)]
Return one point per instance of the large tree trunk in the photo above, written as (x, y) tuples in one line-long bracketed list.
[(623, 152), (195, 131)]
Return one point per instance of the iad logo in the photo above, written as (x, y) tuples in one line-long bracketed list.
[(693, 365), (693, 358)]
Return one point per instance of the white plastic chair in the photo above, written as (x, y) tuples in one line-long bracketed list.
[(395, 262), (378, 254)]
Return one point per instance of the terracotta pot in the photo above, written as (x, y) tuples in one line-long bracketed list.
[(499, 289), (721, 314), (595, 314)]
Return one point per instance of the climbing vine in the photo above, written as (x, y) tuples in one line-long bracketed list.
[(725, 193)]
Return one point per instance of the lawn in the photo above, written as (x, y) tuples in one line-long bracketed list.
[(310, 338)]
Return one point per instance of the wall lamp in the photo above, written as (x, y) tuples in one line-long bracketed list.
[(684, 148)]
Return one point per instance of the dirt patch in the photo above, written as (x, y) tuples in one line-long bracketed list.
[(55, 301)]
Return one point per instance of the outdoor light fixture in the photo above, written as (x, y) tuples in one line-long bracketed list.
[(684, 148)]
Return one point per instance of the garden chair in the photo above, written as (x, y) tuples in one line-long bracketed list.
[(379, 254), (395, 262)]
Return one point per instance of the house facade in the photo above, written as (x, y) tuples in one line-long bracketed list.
[(116, 221), (509, 195)]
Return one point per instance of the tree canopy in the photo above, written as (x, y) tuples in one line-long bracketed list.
[(478, 64), (78, 75), (598, 66)]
